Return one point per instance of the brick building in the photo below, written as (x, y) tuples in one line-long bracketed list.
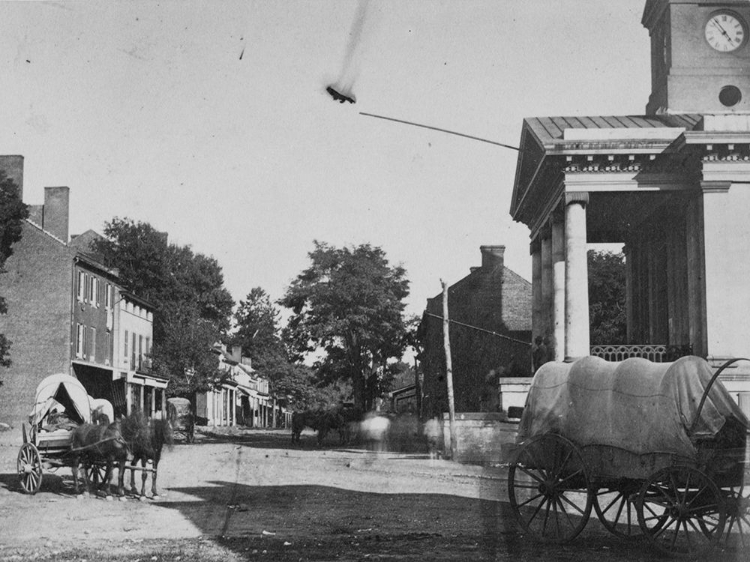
[(62, 309), (490, 335)]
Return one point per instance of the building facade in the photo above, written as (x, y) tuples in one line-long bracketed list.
[(490, 337), (672, 186), (62, 309), (242, 398)]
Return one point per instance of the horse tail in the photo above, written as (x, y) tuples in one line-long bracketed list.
[(163, 433)]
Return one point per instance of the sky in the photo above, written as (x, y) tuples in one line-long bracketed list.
[(209, 120)]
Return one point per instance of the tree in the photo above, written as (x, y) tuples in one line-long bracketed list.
[(12, 213), (349, 305), (607, 315), (257, 330), (192, 307)]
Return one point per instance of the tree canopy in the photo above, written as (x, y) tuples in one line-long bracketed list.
[(12, 213), (192, 307), (607, 314), (257, 330), (349, 305)]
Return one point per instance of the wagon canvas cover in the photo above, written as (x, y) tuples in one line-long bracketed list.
[(634, 405), (64, 390)]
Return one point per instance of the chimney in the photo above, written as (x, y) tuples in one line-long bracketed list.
[(13, 168), (56, 211), (492, 256)]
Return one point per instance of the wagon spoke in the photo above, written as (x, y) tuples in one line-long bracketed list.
[(562, 465), (696, 529), (687, 534), (571, 476), (609, 506), (527, 486), (546, 517), (531, 474), (536, 512), (696, 496), (530, 500), (665, 527), (562, 508), (562, 497)]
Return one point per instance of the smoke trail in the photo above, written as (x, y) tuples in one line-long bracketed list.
[(352, 55)]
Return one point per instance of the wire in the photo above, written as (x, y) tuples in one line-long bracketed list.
[(479, 329), (439, 129)]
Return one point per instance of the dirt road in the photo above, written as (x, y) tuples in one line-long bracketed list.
[(257, 498)]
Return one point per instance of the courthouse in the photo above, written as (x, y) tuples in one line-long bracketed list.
[(672, 186)]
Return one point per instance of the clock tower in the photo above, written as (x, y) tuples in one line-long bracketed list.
[(700, 56)]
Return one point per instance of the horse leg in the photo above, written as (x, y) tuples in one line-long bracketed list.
[(121, 478), (144, 476), (76, 463), (154, 474), (133, 463), (104, 486)]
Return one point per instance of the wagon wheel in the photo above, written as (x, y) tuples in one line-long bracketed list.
[(29, 468), (737, 501), (681, 511), (548, 487), (95, 473), (616, 508)]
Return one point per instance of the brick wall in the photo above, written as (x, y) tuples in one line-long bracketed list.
[(492, 298), (37, 286)]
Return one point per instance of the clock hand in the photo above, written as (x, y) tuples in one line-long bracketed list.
[(723, 32)]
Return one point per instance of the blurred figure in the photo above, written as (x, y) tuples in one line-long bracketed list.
[(433, 432), (374, 431)]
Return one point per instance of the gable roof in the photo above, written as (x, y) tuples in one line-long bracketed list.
[(546, 139), (486, 288)]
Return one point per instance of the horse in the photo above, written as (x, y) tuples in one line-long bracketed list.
[(95, 442), (146, 439), (307, 418), (344, 419)]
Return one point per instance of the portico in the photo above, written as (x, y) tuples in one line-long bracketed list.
[(674, 190)]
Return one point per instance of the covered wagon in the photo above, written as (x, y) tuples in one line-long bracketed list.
[(654, 448)]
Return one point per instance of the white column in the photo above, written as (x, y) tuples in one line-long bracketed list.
[(558, 285), (576, 277), (547, 286), (537, 321)]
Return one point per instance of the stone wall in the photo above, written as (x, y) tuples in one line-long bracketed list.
[(481, 438)]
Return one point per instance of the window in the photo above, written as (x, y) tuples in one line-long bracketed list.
[(79, 340), (140, 351), (81, 286), (133, 364), (108, 296), (92, 345), (107, 348), (92, 290), (126, 344)]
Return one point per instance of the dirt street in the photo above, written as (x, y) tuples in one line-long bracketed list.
[(253, 496)]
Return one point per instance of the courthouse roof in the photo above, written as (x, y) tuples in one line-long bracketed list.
[(550, 131), (544, 140)]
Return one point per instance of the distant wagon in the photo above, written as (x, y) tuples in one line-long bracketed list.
[(655, 449), (180, 414)]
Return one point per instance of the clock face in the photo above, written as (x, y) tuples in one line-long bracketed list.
[(725, 32)]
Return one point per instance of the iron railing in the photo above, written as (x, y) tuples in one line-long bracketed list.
[(657, 353)]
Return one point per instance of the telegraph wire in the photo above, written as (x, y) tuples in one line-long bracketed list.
[(479, 329)]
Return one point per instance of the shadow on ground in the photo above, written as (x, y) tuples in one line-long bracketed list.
[(324, 523)]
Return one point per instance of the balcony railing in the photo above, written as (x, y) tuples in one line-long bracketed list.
[(653, 352)]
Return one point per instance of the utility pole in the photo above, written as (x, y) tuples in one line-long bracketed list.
[(449, 371)]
